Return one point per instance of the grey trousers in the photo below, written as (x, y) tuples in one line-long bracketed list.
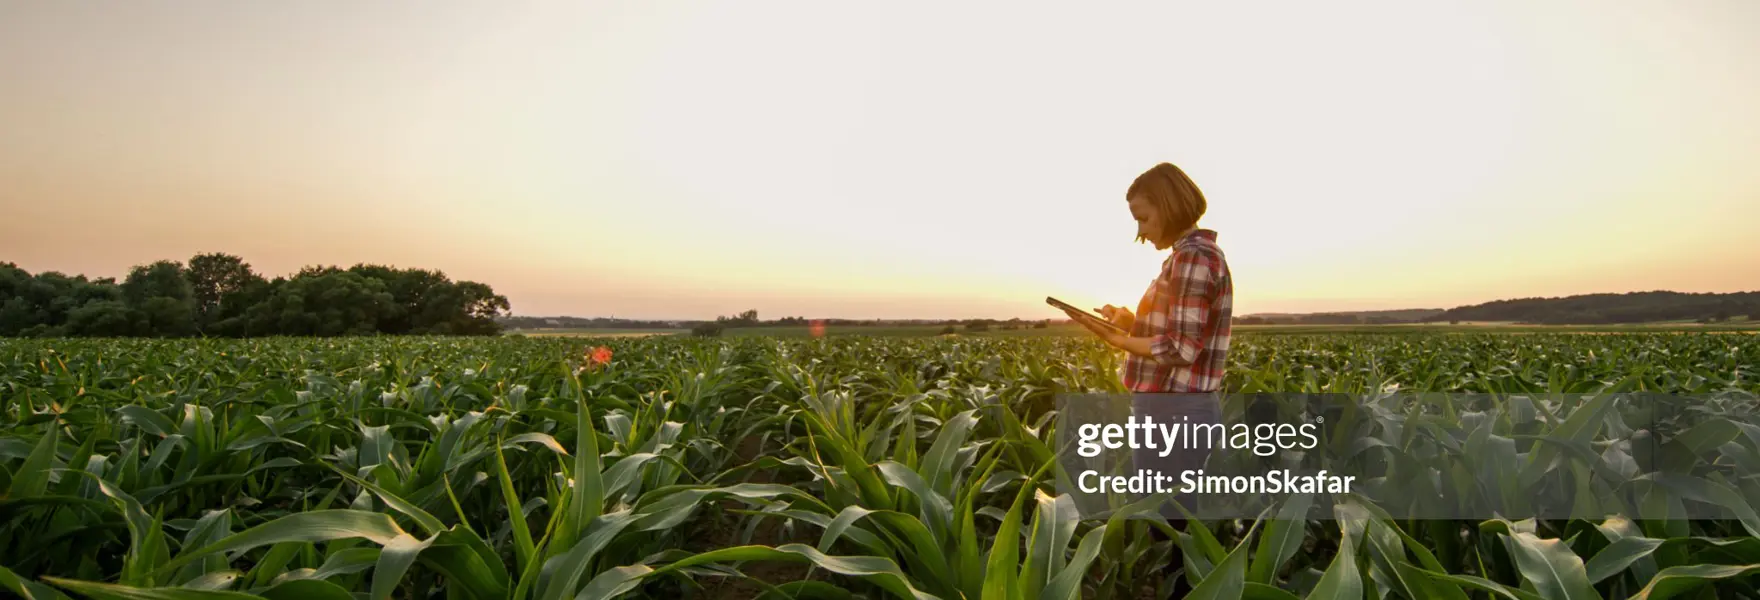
[(1168, 409)]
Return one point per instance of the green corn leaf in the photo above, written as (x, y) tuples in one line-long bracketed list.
[(922, 549), (804, 590), (1580, 427), (1054, 525), (32, 478), (347, 561), (1711, 492), (147, 548), (1116, 524), (109, 591), (1066, 583), (1260, 591), (1001, 575), (1616, 557), (311, 526), (429, 523), (937, 467), (81, 458), (937, 512), (1341, 579), (274, 563), (542, 439), (148, 420), (587, 492), (218, 580), (28, 590), (567, 569), (212, 527), (1282, 539), (395, 559), (1478, 583), (1229, 578), (1556, 572), (879, 571), (614, 582), (845, 519), (968, 558), (1675, 580), (466, 563), (306, 589), (523, 547)]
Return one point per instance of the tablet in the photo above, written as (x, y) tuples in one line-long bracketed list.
[(1096, 318)]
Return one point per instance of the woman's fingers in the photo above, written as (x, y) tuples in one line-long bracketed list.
[(1118, 315)]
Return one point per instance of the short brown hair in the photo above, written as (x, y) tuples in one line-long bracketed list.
[(1180, 200)]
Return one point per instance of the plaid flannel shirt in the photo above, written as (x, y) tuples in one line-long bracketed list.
[(1187, 309)]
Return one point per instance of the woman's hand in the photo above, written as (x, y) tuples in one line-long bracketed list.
[(1118, 315), (1140, 346), (1087, 321)]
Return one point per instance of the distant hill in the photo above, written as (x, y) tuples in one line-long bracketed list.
[(1594, 309)]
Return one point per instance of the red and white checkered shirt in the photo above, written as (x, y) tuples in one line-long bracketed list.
[(1187, 310)]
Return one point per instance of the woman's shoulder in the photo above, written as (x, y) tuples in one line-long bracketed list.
[(1194, 254), (1198, 245)]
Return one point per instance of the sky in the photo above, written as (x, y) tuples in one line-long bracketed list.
[(907, 160)]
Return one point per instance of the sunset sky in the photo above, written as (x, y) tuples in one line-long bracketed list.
[(692, 159)]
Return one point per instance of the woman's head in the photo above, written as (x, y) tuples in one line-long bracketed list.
[(1165, 203)]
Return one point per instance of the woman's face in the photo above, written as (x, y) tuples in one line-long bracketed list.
[(1149, 221)]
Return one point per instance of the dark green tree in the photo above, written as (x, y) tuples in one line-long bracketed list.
[(17, 311), (162, 297), (217, 282), (325, 304), (40, 305), (219, 295), (103, 318)]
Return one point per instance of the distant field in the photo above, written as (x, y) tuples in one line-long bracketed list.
[(803, 331), (1494, 327), (594, 332), (902, 331), (1067, 329), (1739, 326)]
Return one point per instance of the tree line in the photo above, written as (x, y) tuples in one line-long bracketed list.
[(219, 295), (1592, 309)]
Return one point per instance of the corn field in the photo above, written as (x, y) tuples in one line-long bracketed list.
[(539, 469)]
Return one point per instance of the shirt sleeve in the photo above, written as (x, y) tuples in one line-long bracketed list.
[(1188, 279)]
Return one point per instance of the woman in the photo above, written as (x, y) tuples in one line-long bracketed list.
[(1180, 345), (1178, 342)]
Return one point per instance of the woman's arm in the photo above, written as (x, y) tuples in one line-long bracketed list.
[(1140, 346), (1181, 302)]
